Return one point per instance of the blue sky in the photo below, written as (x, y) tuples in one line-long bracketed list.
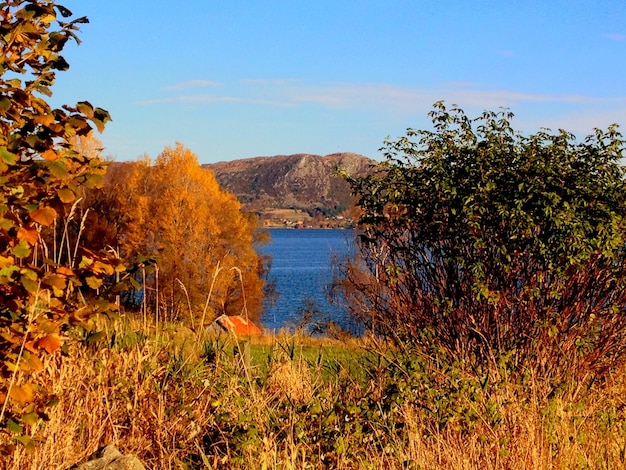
[(236, 79)]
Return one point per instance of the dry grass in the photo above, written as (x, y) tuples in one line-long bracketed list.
[(289, 379), (157, 397)]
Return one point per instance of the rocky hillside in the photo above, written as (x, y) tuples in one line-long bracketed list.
[(287, 189)]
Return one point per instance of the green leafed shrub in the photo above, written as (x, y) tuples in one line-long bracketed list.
[(487, 242)]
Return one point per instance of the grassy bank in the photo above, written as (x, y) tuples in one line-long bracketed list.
[(182, 400)]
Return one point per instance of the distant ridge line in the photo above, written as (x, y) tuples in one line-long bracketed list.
[(305, 183)]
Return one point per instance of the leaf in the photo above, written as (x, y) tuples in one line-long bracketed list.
[(85, 108), (15, 83), (50, 155), (44, 90), (93, 282), (57, 168), (22, 250), (8, 157), (6, 224), (56, 281), (66, 195), (6, 261), (60, 64), (44, 215), (120, 268), (31, 362), (99, 124), (65, 271), (94, 181), (23, 394), (77, 125), (47, 326), (30, 346), (64, 11), (11, 366), (30, 285), (27, 442), (18, 192), (85, 262), (46, 120), (56, 304), (26, 13), (104, 305), (49, 18), (100, 118), (50, 343), (30, 273), (5, 105), (14, 427), (28, 234), (30, 418), (102, 268)]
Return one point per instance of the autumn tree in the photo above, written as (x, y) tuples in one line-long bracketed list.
[(47, 281), (174, 211), (491, 244)]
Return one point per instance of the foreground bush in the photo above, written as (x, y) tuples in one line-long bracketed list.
[(47, 279), (178, 400), (491, 244)]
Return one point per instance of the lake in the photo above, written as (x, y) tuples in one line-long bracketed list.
[(301, 272)]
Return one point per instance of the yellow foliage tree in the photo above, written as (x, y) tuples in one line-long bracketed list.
[(174, 211)]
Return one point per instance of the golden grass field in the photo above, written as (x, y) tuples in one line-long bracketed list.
[(177, 399)]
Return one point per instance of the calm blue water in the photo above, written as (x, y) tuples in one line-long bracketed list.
[(301, 271)]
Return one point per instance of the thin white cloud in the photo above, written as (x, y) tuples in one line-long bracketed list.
[(200, 99), (616, 36), (190, 84), (392, 98), (461, 84), (405, 102), (191, 99), (507, 53), (270, 81), (581, 123), (506, 98)]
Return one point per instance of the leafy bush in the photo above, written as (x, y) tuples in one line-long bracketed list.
[(487, 242), (47, 281)]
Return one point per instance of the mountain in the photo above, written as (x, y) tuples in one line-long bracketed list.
[(292, 189)]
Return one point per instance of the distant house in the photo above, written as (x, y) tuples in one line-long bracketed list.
[(236, 325)]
